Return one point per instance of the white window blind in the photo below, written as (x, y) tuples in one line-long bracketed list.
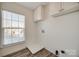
[(13, 26)]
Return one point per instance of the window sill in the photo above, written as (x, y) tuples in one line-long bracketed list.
[(14, 44)]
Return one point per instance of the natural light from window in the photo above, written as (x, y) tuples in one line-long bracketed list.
[(13, 27)]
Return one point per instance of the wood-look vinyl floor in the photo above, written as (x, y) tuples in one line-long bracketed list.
[(26, 53)]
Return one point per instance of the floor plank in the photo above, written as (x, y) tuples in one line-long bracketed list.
[(26, 53)]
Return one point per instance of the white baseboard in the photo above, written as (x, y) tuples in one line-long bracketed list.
[(35, 48)]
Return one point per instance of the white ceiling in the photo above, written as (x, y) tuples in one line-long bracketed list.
[(32, 5)]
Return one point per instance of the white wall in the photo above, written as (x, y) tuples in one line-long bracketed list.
[(60, 32), (33, 43)]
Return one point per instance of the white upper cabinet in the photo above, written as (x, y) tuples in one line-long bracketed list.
[(54, 8), (62, 8), (69, 5), (38, 14)]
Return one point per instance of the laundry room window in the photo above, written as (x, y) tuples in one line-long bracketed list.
[(13, 26)]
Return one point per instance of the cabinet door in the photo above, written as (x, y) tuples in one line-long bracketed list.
[(54, 8), (69, 5), (38, 13)]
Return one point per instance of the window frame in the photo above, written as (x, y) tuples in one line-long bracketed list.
[(3, 28)]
